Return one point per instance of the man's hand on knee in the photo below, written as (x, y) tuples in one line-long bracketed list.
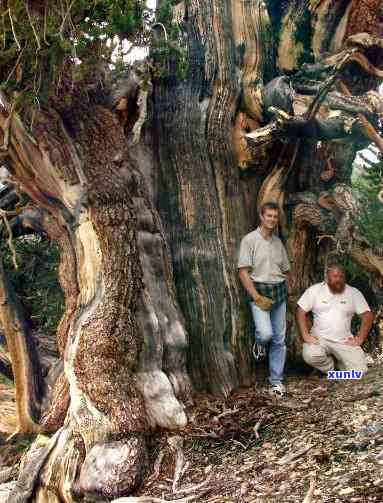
[(353, 341)]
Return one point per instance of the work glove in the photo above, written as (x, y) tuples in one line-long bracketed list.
[(264, 302)]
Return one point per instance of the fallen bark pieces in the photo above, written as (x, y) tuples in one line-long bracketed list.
[(193, 488), (150, 499), (255, 474), (176, 445), (157, 464), (257, 426), (294, 455), (310, 492), (221, 470), (361, 396), (227, 412)]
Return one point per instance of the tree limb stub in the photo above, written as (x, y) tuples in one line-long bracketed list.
[(368, 128)]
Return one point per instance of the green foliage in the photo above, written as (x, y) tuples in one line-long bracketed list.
[(164, 13), (169, 53), (366, 187), (169, 59), (50, 47), (41, 40), (36, 280), (5, 381)]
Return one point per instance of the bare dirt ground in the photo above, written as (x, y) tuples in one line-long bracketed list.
[(324, 444)]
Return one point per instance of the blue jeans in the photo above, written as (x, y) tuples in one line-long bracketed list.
[(270, 328)]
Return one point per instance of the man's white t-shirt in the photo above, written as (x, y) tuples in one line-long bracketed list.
[(332, 312)]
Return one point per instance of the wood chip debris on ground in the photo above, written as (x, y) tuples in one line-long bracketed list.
[(322, 445)]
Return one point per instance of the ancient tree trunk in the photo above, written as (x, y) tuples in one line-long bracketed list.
[(202, 200), (221, 155), (121, 338)]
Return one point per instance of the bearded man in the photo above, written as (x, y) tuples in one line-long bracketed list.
[(330, 341)]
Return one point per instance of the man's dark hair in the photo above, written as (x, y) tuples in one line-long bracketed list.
[(270, 205)]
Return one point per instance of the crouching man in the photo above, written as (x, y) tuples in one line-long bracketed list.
[(330, 342)]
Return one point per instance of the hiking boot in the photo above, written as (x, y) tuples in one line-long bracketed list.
[(259, 351), (278, 390)]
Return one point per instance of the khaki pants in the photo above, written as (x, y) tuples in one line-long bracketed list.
[(321, 356)]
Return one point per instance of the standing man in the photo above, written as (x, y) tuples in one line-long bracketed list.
[(333, 304), (263, 253)]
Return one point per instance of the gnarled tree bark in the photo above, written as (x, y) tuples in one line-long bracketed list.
[(118, 323)]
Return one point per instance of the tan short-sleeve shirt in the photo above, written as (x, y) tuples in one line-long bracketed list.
[(267, 257)]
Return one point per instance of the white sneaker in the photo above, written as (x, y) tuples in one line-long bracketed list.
[(278, 390)]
